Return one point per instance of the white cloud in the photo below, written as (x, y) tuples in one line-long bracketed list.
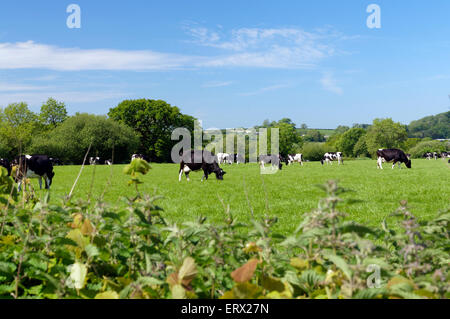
[(31, 55), (329, 83), (245, 47)]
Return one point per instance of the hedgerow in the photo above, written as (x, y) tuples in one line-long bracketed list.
[(79, 249)]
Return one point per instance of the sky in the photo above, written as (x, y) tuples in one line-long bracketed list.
[(232, 63)]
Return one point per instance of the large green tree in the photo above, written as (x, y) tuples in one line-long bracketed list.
[(53, 113), (70, 140), (385, 133), (154, 120), (17, 125), (349, 139)]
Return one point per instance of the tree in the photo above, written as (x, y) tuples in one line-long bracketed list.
[(385, 133), (437, 126), (70, 140), (349, 139), (314, 136), (53, 113), (360, 148), (17, 124), (341, 129), (154, 121), (289, 138)]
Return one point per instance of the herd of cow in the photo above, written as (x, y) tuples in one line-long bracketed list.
[(41, 166)]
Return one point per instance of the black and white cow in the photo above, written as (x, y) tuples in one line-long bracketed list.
[(329, 157), (224, 158), (273, 159), (108, 162), (295, 158), (33, 166), (6, 164), (94, 160), (392, 155), (195, 160)]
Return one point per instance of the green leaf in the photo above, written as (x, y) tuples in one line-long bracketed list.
[(340, 263)]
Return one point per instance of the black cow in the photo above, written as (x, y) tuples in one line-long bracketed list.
[(6, 164), (394, 155), (275, 160), (195, 160), (33, 166)]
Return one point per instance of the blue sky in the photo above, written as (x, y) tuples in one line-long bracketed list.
[(232, 63)]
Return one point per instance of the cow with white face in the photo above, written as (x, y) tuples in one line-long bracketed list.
[(33, 166), (392, 155)]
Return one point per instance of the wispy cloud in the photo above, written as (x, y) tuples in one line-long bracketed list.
[(329, 83), (11, 87), (266, 89), (32, 55), (245, 47), (215, 84)]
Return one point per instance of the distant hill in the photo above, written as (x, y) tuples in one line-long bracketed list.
[(434, 126)]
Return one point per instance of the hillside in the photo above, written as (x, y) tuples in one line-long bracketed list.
[(434, 126)]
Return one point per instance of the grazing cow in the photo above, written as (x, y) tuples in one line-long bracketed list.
[(109, 162), (275, 160), (408, 156), (195, 160), (329, 157), (428, 155), (141, 156), (6, 164), (394, 155), (445, 154), (295, 158), (34, 166)]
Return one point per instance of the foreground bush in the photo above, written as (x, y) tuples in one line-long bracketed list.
[(80, 250)]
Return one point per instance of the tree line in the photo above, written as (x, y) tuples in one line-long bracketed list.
[(145, 126)]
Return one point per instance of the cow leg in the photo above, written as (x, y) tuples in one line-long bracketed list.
[(180, 175), (47, 182), (379, 163), (40, 182), (393, 164)]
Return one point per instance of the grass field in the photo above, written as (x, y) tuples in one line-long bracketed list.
[(286, 194)]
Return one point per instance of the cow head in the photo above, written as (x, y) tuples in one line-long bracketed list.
[(219, 173), (408, 163)]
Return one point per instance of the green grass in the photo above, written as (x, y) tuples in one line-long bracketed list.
[(286, 194)]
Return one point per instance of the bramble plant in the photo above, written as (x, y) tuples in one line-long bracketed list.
[(80, 250)]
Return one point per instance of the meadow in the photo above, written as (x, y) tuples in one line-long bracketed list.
[(288, 194)]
